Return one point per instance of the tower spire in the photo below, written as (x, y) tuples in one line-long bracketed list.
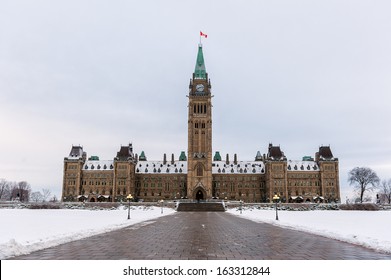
[(200, 70)]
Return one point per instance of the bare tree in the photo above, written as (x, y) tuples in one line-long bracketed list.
[(364, 179), (46, 193), (385, 191), (5, 189), (13, 191), (21, 191), (36, 197)]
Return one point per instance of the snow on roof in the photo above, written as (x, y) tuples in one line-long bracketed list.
[(73, 157), (76, 153), (218, 167), (180, 167), (98, 165), (241, 167), (158, 167), (297, 165)]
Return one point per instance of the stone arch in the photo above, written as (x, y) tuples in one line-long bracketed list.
[(199, 193), (199, 170)]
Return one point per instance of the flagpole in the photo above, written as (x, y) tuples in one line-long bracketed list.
[(202, 34)]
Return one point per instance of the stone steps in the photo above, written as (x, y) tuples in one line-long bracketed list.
[(200, 207)]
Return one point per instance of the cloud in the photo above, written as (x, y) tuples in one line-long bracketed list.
[(297, 74)]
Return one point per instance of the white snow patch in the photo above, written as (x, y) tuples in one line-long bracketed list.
[(24, 231), (370, 229)]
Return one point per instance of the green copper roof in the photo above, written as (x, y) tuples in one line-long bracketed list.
[(200, 70), (217, 157), (182, 157), (142, 157), (93, 158)]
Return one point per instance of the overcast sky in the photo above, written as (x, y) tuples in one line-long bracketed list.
[(101, 74)]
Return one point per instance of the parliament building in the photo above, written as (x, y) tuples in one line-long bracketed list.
[(201, 174)]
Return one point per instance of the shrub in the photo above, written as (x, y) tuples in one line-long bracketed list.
[(44, 206), (360, 207)]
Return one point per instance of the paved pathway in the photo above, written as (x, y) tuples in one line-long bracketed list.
[(205, 235)]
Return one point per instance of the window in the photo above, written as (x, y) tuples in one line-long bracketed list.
[(200, 170)]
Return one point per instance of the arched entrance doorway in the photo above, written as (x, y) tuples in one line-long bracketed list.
[(199, 193)]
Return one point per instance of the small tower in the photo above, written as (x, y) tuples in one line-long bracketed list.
[(124, 173), (73, 165)]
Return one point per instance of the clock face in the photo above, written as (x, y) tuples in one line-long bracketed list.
[(199, 87)]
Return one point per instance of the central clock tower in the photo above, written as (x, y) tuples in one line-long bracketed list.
[(199, 165)]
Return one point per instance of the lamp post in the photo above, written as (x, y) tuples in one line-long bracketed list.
[(161, 201), (276, 198), (129, 197)]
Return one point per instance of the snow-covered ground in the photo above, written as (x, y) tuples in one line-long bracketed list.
[(371, 229), (23, 231)]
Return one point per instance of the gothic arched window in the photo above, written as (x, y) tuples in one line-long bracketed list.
[(200, 170)]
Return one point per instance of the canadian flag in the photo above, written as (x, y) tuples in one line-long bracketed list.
[(203, 34)]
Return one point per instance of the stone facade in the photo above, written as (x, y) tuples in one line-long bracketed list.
[(199, 175)]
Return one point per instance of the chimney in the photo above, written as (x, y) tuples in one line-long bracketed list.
[(235, 159), (165, 159), (172, 159), (227, 160)]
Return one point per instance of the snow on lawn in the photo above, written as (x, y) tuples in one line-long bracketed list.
[(23, 231), (371, 229)]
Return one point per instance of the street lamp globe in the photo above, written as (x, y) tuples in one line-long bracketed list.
[(161, 202)]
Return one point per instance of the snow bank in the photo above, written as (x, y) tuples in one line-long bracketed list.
[(371, 229), (24, 231)]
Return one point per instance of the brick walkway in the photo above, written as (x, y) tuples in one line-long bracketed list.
[(205, 235)]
